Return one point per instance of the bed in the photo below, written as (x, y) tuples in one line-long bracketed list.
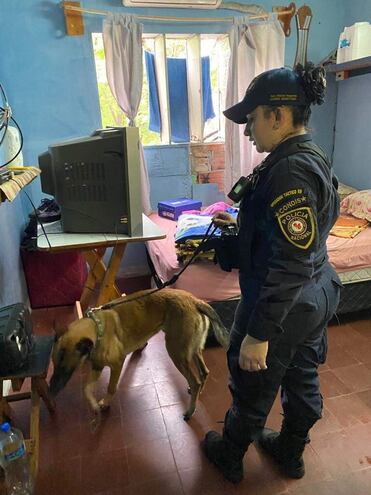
[(350, 257)]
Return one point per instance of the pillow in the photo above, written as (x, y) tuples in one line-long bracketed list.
[(344, 190), (358, 204)]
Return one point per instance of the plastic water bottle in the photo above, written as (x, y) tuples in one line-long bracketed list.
[(13, 457)]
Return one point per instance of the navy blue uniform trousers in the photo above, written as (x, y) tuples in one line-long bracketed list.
[(293, 359)]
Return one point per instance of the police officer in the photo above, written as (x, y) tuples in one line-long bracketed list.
[(289, 291)]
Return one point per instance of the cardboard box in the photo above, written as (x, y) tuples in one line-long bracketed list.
[(175, 207)]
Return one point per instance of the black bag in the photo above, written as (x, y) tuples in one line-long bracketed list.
[(16, 338), (226, 249)]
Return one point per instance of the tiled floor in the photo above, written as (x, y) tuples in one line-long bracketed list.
[(144, 447)]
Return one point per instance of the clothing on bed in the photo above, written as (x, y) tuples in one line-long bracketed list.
[(191, 229), (194, 226), (348, 226)]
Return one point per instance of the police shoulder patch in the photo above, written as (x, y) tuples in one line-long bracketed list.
[(298, 226)]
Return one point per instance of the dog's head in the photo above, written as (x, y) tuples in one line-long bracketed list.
[(69, 350)]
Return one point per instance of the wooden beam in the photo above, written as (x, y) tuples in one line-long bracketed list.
[(74, 19)]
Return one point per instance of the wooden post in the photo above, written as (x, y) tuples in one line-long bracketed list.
[(74, 20)]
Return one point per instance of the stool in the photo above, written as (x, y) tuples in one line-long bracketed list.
[(36, 369)]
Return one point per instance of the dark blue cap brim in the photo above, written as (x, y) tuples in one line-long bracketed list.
[(238, 113)]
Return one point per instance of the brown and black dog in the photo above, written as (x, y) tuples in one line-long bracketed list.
[(109, 335)]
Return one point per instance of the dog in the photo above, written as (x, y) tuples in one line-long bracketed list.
[(107, 336)]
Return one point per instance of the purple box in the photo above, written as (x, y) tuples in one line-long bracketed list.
[(175, 207)]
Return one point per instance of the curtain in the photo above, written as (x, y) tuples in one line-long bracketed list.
[(255, 48), (178, 96), (122, 38)]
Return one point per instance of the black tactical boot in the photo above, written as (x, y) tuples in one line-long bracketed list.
[(224, 455), (286, 449)]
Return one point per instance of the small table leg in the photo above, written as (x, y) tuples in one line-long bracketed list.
[(95, 276), (43, 390), (108, 289), (34, 427)]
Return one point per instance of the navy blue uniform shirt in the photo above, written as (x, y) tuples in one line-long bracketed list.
[(284, 222)]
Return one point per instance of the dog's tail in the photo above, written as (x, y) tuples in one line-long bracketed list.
[(221, 333)]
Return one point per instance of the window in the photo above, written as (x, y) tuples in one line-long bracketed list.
[(200, 62)]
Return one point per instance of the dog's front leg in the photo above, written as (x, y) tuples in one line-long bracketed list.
[(93, 377), (112, 386)]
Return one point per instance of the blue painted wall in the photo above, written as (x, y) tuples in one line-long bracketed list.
[(352, 133), (51, 85)]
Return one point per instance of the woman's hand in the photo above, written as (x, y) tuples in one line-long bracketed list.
[(223, 219), (253, 354)]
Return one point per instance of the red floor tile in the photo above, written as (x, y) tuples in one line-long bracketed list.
[(327, 424), (205, 481), (141, 398), (349, 410), (173, 392), (62, 478), (365, 397), (356, 377), (106, 437), (103, 472), (331, 386), (337, 356), (143, 427), (150, 460), (187, 451), (166, 485)]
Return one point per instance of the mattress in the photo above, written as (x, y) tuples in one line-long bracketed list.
[(348, 255), (355, 276), (351, 258)]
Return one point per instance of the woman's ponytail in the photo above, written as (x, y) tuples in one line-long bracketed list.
[(313, 80)]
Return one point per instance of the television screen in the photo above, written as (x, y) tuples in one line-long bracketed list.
[(96, 181)]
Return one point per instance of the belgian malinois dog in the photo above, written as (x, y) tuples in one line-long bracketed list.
[(107, 336)]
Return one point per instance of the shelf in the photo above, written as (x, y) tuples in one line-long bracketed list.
[(10, 189), (351, 68)]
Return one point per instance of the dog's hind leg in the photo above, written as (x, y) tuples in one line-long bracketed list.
[(201, 367), (112, 387), (184, 365)]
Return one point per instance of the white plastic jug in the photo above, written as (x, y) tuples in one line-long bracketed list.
[(354, 42)]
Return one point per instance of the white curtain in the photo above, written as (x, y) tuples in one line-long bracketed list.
[(122, 37), (255, 48)]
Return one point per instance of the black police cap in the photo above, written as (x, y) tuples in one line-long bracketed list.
[(274, 87)]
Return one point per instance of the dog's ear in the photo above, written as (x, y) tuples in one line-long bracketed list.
[(84, 346)]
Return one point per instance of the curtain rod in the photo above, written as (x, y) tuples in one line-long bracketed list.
[(175, 19)]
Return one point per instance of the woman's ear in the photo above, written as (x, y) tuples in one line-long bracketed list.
[(278, 118)]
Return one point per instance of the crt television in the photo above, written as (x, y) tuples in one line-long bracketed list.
[(96, 181)]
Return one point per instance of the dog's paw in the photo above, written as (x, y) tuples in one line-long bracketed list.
[(96, 420), (103, 405)]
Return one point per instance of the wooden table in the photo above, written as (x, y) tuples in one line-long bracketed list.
[(93, 248)]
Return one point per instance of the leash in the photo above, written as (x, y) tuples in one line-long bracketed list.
[(208, 235)]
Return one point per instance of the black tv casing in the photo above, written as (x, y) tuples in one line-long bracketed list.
[(96, 182)]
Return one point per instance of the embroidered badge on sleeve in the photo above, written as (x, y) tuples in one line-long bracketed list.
[(298, 226), (295, 218)]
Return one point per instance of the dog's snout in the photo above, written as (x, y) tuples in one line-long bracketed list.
[(59, 380)]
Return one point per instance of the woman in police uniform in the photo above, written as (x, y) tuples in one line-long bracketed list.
[(289, 291)]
